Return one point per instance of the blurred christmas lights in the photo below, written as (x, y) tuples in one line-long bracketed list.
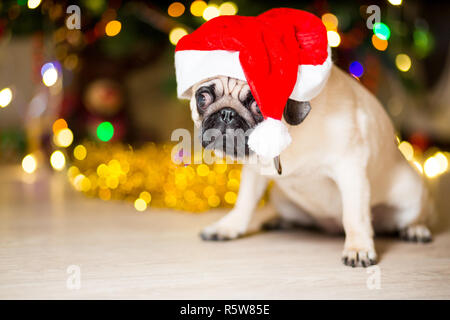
[(407, 150), (330, 21), (378, 43), (5, 97), (33, 4), (197, 8), (395, 2), (403, 62), (333, 38), (57, 160), (176, 34), (382, 31), (80, 152), (29, 163), (356, 69), (63, 138), (105, 131), (228, 9), (113, 28), (210, 12), (140, 204), (49, 74), (176, 9)]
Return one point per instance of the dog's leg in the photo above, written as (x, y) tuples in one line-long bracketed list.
[(354, 186), (235, 223)]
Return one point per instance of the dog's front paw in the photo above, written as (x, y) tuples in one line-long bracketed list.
[(228, 228), (359, 258), (416, 233)]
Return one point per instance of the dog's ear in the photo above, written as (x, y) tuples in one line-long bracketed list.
[(296, 111)]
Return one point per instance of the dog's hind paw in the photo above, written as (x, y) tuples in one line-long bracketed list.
[(416, 233), (361, 258)]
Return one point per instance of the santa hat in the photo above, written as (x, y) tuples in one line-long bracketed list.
[(282, 53)]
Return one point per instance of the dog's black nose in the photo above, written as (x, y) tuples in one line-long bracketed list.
[(227, 115)]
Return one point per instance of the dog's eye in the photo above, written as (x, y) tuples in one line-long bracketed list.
[(254, 108), (204, 98)]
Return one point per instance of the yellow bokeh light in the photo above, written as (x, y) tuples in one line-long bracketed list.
[(228, 9), (333, 38), (197, 8), (330, 21), (29, 163), (5, 97), (395, 2), (113, 28), (407, 150), (50, 77), (213, 201), (230, 197), (33, 4), (403, 62), (63, 138), (443, 162), (146, 196), (57, 160), (431, 167), (140, 204), (176, 34), (176, 9), (170, 200), (211, 12), (379, 44), (418, 166), (80, 152), (202, 170)]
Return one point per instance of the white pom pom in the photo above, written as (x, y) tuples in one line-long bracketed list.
[(269, 138)]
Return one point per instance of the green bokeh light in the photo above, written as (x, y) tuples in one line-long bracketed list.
[(381, 30), (105, 131)]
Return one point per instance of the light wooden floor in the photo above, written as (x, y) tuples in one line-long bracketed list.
[(45, 227)]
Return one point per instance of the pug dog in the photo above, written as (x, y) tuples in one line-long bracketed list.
[(342, 172)]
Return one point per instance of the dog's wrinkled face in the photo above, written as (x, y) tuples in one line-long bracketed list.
[(226, 111)]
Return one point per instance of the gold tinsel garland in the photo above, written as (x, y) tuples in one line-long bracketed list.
[(148, 177)]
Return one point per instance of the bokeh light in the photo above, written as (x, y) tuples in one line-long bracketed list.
[(140, 204), (333, 38), (5, 97), (330, 21), (211, 12), (418, 166), (381, 30), (113, 28), (403, 62), (356, 69), (435, 165), (63, 138), (431, 167), (105, 131), (57, 160), (80, 152), (407, 150), (49, 74), (230, 197), (228, 9), (146, 196), (176, 34), (33, 4), (176, 9), (395, 2), (29, 163), (197, 8), (378, 43), (59, 125)]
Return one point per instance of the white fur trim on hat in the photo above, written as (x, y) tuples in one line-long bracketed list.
[(193, 66), (269, 138)]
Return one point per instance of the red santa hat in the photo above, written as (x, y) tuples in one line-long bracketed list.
[(282, 54)]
